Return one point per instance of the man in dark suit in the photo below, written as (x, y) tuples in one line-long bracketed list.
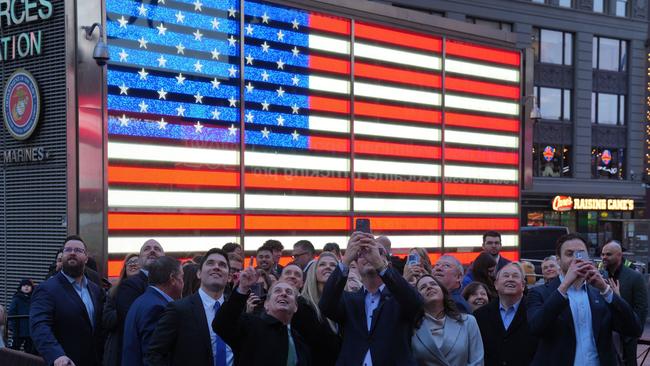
[(377, 320), (184, 331), (507, 340), (165, 285), (131, 289), (266, 339), (66, 312), (632, 288), (574, 315), (492, 245)]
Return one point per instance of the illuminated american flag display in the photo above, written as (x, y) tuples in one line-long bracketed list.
[(333, 129)]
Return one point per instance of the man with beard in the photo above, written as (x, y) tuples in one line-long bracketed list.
[(131, 289), (632, 288), (504, 328), (66, 312), (492, 245), (165, 285), (389, 303), (265, 259), (262, 340), (184, 332)]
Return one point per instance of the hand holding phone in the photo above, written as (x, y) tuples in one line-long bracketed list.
[(413, 259)]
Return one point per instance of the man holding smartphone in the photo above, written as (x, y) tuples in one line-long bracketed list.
[(390, 304), (574, 315)]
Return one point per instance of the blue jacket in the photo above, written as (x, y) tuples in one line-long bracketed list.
[(550, 319), (60, 325), (140, 323), (389, 338)]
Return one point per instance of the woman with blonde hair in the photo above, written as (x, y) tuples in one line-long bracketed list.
[(324, 332)]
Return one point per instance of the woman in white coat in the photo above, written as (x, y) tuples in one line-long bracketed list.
[(443, 336)]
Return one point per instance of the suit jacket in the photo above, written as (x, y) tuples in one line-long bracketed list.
[(634, 291), (256, 340), (140, 323), (182, 337), (389, 338), (501, 263), (550, 318), (461, 344), (60, 324), (129, 290), (513, 347)]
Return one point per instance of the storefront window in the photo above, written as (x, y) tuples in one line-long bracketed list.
[(608, 163), (552, 160)]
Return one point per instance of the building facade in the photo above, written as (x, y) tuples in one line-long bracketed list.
[(586, 68)]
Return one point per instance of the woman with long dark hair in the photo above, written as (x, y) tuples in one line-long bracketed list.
[(444, 336), (483, 271)]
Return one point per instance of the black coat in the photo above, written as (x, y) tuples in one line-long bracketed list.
[(256, 340), (182, 337), (322, 341), (113, 345), (513, 347), (19, 306), (550, 318), (389, 338), (60, 325)]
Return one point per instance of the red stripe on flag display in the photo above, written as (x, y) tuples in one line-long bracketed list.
[(483, 88), (396, 186), (297, 223), (397, 37), (481, 224), (481, 156), (329, 64), (329, 23), (482, 190), (482, 122), (427, 116), (483, 53), (288, 181), (397, 150), (175, 176), (168, 221), (397, 75)]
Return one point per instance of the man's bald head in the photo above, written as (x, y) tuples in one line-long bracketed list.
[(612, 255), (385, 242), (149, 252)]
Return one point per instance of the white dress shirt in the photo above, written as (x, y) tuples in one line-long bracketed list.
[(208, 306)]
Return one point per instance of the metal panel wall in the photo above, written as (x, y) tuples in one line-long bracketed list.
[(33, 196)]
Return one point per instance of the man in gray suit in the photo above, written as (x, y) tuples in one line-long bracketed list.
[(632, 288)]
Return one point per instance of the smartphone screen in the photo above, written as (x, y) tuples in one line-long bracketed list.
[(363, 225), (413, 259), (251, 261), (581, 254)]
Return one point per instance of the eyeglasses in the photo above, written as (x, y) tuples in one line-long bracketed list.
[(132, 262), (299, 255), (76, 250)]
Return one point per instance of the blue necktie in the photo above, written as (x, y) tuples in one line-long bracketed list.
[(219, 346)]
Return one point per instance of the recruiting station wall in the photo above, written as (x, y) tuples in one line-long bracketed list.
[(33, 188), (243, 121)]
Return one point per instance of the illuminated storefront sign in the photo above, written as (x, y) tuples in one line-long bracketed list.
[(568, 203)]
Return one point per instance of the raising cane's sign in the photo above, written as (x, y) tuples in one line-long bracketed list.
[(568, 203)]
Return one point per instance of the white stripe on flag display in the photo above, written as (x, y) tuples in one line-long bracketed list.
[(340, 118)]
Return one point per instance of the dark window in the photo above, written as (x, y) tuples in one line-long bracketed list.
[(609, 54), (553, 47), (608, 163), (554, 104), (551, 160), (494, 24), (607, 109)]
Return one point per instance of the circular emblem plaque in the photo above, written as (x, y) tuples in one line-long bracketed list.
[(21, 104)]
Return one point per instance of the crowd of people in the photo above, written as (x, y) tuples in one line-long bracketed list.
[(361, 306)]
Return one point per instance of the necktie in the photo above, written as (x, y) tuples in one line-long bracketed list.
[(292, 357), (219, 346)]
